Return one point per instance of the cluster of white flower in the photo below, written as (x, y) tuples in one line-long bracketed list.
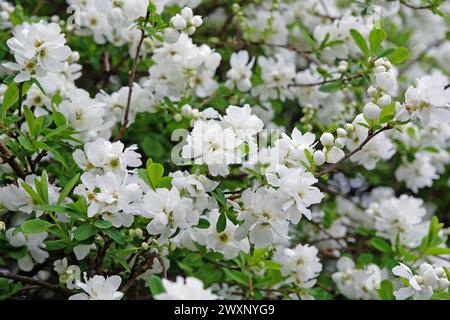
[(358, 283), (300, 264), (420, 285), (38, 49), (185, 289)]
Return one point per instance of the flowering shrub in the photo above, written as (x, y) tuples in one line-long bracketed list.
[(271, 149)]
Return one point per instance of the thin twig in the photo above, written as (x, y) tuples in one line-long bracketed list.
[(9, 158), (405, 3), (347, 79), (132, 75), (333, 166), (39, 283)]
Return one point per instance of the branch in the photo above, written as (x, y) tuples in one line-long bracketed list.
[(39, 283), (9, 158), (405, 3), (332, 167), (347, 79), (132, 75)]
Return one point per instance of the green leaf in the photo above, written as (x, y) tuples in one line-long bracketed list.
[(103, 224), (400, 55), (203, 224), (438, 251), (67, 188), (360, 41), (221, 223), (35, 226), (331, 87), (376, 38), (381, 245), (237, 276), (18, 253), (84, 232), (33, 194), (115, 235), (52, 245), (155, 285), (386, 290), (155, 171)]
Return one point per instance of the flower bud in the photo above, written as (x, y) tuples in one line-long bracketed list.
[(190, 30), (341, 132), (177, 117), (384, 100), (343, 66), (2, 226), (138, 232), (197, 21), (371, 111), (144, 245), (349, 127), (178, 22), (186, 110), (327, 139), (319, 157), (372, 91), (187, 13)]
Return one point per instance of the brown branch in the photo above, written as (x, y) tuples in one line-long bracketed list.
[(36, 282), (345, 80), (132, 75), (9, 158), (333, 166), (405, 3)]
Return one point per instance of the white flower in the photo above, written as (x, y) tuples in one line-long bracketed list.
[(38, 48), (85, 115), (121, 13), (418, 173), (427, 100), (296, 185), (245, 124), (241, 71), (67, 274), (421, 286), (264, 221), (168, 212), (358, 283), (223, 242), (185, 289), (371, 111), (300, 264), (214, 146), (111, 196), (186, 21), (295, 147), (102, 155), (401, 217), (35, 245), (99, 288)]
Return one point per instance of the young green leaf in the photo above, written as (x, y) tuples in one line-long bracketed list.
[(84, 232), (35, 226), (360, 42), (376, 38), (399, 55)]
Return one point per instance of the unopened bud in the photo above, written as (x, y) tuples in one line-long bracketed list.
[(327, 139)]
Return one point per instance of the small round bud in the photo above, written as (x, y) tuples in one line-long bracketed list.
[(178, 22), (187, 13), (197, 21), (349, 127), (319, 157), (186, 110), (371, 111), (144, 245), (178, 117), (189, 30), (138, 232), (372, 91), (327, 139), (341, 132), (43, 275), (384, 100), (343, 66), (131, 233), (2, 226), (443, 283), (195, 113)]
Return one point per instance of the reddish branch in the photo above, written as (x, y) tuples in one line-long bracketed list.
[(319, 83), (405, 3), (36, 282), (333, 167), (132, 75), (9, 158)]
